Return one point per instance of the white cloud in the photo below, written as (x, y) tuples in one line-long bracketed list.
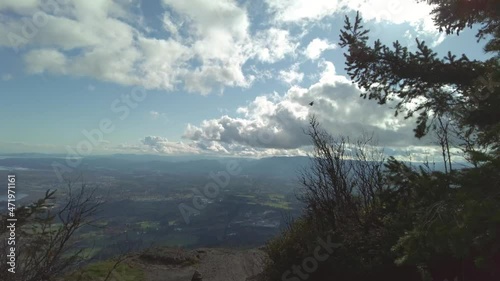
[(163, 62), (207, 43), (395, 11), (274, 44), (218, 148), (292, 76), (42, 60), (316, 47), (416, 14), (170, 26), (213, 16), (274, 124), (298, 10), (277, 121), (204, 46), (163, 145), (218, 40)]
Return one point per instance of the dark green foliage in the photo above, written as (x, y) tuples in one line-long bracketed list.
[(457, 86), (415, 223)]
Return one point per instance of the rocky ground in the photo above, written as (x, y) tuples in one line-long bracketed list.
[(166, 264)]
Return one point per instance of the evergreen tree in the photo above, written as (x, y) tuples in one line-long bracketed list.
[(418, 224)]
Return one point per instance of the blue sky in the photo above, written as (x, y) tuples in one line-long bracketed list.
[(218, 77)]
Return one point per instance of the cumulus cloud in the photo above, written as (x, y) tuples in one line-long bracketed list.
[(154, 144), (291, 76), (163, 145), (317, 46), (274, 124), (416, 14), (204, 48), (274, 44), (277, 121), (298, 10)]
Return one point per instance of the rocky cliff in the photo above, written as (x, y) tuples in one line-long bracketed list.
[(207, 264)]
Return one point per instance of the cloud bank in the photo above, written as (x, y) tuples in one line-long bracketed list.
[(195, 46)]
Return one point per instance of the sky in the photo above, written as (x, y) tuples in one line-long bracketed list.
[(197, 77)]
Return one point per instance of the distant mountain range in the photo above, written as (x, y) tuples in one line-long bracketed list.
[(271, 166)]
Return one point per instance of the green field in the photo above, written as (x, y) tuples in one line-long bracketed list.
[(145, 225)]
